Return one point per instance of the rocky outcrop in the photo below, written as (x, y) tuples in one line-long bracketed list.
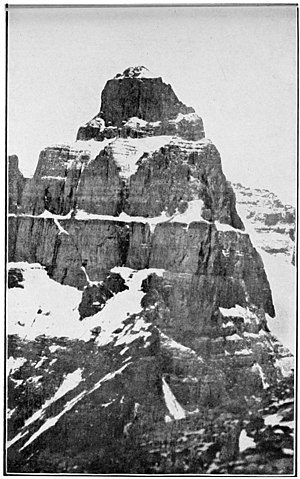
[(14, 278), (16, 184), (95, 295)]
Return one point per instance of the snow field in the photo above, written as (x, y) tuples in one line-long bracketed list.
[(44, 306)]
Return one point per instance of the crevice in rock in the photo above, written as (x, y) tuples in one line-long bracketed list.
[(205, 253), (51, 268), (123, 234), (64, 275), (123, 197)]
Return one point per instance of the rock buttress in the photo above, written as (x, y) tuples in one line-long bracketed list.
[(16, 184)]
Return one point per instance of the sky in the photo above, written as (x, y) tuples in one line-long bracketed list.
[(235, 65)]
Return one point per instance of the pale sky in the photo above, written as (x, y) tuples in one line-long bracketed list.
[(235, 65)]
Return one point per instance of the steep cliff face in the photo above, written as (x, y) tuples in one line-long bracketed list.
[(137, 299), (138, 177), (16, 184), (224, 261), (147, 98)]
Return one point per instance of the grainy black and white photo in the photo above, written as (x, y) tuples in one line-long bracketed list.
[(151, 245)]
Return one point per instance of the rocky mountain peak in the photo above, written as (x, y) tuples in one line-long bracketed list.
[(137, 299), (138, 93)]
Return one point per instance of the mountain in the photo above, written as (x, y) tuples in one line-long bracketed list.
[(271, 225), (138, 306), (271, 222)]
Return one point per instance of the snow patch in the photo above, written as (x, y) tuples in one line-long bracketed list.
[(190, 146), (193, 213), (234, 337), (229, 324), (243, 352), (34, 379), (239, 312), (61, 229), (40, 362), (127, 151), (77, 149), (49, 177), (54, 348), (257, 368), (139, 330), (174, 408), (13, 364), (136, 122), (286, 365), (120, 306), (272, 419), (96, 122), (245, 442), (108, 377), (190, 117), (10, 412), (135, 72), (170, 343), (42, 293), (90, 283), (46, 214), (224, 227)]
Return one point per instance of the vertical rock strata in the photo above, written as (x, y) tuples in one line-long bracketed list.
[(142, 194), (16, 184)]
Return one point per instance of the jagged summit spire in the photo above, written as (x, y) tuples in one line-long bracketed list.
[(135, 72)]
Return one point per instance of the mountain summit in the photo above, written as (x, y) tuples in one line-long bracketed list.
[(138, 307), (135, 72), (138, 94)]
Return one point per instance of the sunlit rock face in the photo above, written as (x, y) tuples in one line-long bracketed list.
[(138, 306)]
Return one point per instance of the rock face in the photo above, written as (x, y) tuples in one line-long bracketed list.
[(137, 301), (163, 180), (16, 184), (138, 104), (147, 98)]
